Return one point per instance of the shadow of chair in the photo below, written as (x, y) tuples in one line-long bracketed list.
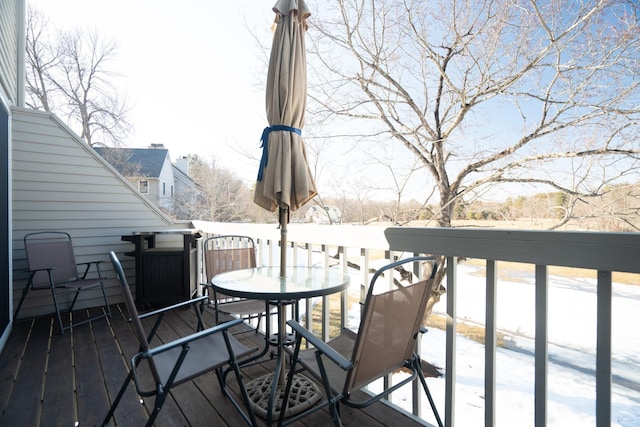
[(227, 253), (386, 342), (155, 370), (52, 266)]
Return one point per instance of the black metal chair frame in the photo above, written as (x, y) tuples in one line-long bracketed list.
[(51, 275), (352, 355), (167, 361), (245, 309)]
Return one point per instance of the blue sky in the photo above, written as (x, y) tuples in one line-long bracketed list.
[(192, 72)]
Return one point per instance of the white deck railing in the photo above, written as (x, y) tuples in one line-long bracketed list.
[(337, 246)]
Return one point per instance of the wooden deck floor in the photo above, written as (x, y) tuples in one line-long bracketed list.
[(47, 379)]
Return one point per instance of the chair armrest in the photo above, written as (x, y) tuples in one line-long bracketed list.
[(181, 342), (321, 346), (193, 337), (35, 270), (32, 274), (87, 266), (172, 307)]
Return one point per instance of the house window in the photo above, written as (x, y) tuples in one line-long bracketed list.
[(164, 188), (144, 187)]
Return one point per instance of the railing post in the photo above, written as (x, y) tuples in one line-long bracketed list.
[(541, 347), (364, 271), (603, 350), (416, 387), (344, 295), (490, 345), (325, 299), (450, 365)]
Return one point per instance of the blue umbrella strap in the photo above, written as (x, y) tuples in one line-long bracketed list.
[(265, 144)]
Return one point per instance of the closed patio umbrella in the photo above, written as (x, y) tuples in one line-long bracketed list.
[(284, 179)]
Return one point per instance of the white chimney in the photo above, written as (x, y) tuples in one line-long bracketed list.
[(182, 163)]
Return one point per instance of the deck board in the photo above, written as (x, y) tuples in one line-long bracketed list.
[(88, 375), (52, 379), (55, 404), (23, 407)]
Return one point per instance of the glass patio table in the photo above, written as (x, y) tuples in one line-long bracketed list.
[(265, 283)]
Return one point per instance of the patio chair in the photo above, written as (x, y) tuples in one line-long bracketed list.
[(228, 253), (52, 266), (385, 342), (156, 370)]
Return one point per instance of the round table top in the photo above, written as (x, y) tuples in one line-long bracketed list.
[(266, 283)]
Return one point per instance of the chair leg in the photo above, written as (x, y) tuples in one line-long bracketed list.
[(418, 368), (249, 417), (117, 400), (57, 308), (157, 405), (25, 291), (104, 294), (334, 411), (75, 298), (106, 303)]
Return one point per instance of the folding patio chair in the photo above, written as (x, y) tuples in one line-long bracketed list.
[(156, 370), (385, 342), (228, 253), (52, 266)]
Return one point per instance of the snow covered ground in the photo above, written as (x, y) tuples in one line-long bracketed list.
[(572, 343)]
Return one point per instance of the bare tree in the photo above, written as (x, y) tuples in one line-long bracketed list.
[(68, 74), (486, 92), (224, 197)]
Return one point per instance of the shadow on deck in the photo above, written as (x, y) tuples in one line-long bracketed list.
[(69, 380)]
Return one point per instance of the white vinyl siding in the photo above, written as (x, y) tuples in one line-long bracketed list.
[(8, 49), (164, 180), (60, 183)]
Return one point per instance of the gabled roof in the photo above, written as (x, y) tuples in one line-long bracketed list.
[(179, 175), (150, 160)]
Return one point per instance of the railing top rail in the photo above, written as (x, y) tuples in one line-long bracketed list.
[(357, 236), (591, 250)]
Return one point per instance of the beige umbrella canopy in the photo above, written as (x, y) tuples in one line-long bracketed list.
[(284, 179)]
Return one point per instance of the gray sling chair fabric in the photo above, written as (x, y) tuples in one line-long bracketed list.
[(228, 253), (156, 370), (385, 342), (52, 266)]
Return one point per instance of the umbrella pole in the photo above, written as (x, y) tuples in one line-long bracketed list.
[(283, 274), (283, 240)]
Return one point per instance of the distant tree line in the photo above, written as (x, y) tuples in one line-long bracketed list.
[(228, 199)]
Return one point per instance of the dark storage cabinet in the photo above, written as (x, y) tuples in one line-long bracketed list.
[(165, 274)]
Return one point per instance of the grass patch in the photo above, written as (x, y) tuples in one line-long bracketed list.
[(473, 332), (509, 271)]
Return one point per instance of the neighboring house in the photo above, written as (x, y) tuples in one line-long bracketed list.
[(51, 180), (150, 170), (189, 195)]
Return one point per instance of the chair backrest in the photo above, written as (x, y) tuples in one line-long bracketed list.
[(390, 321), (227, 253), (138, 330), (50, 249)]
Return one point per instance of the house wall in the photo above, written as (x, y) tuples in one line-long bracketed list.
[(8, 49), (165, 199), (10, 12), (59, 183)]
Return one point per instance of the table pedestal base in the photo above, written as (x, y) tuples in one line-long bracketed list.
[(304, 394)]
